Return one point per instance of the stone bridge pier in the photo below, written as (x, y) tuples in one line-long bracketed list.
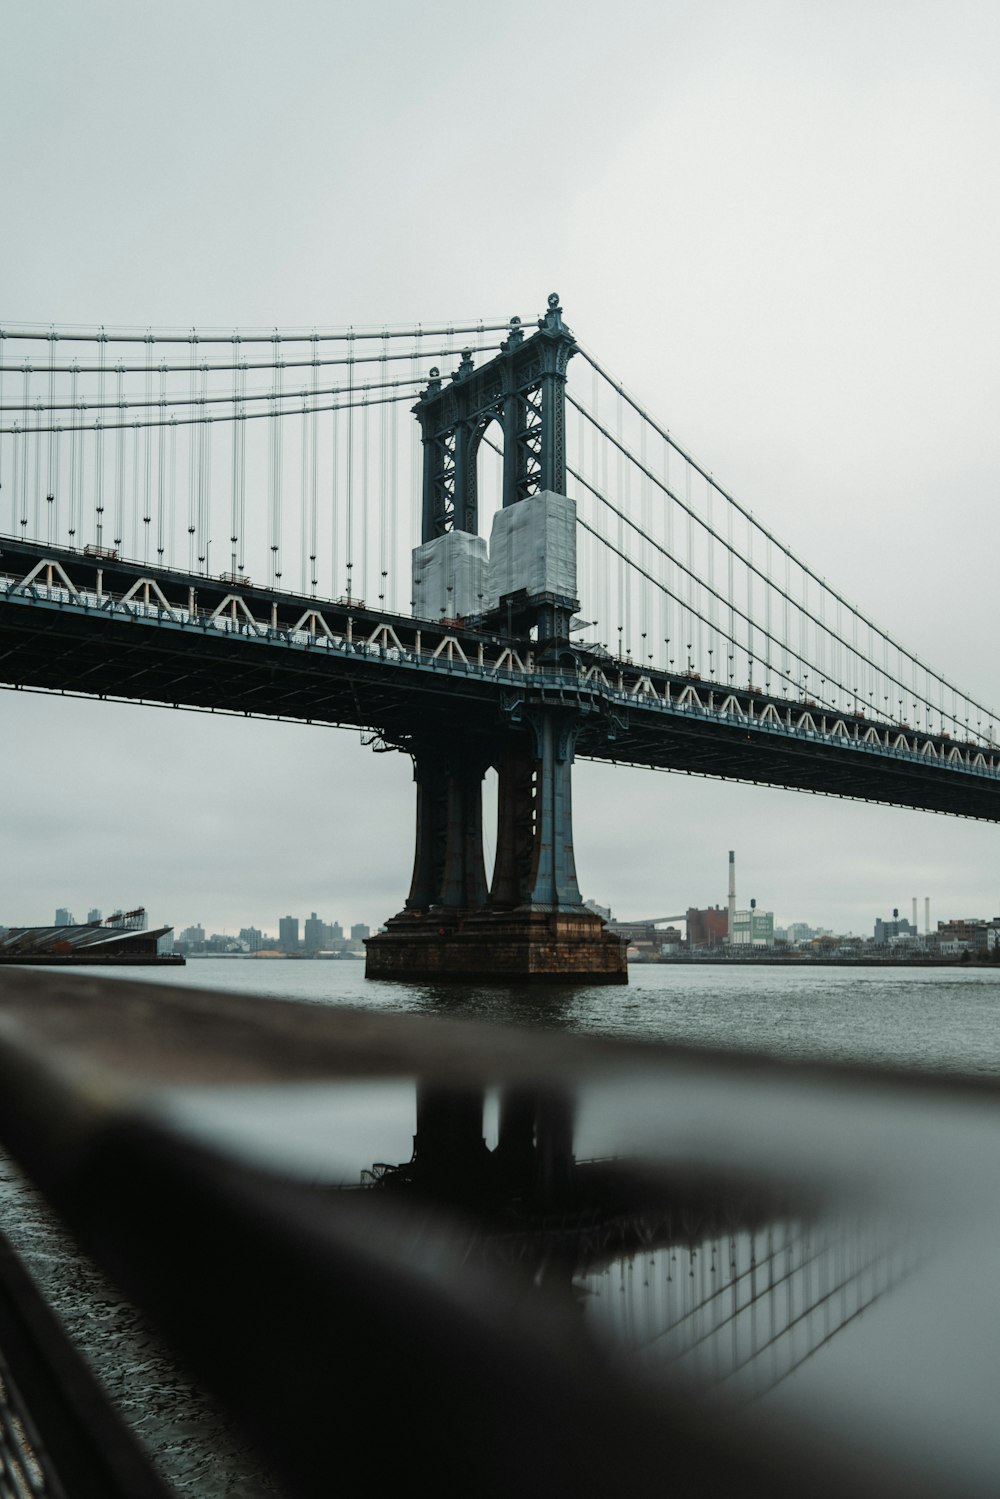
[(531, 923)]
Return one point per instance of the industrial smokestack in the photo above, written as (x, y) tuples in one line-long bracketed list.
[(914, 913), (927, 915), (732, 895)]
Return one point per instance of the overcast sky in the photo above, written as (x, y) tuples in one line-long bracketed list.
[(777, 222)]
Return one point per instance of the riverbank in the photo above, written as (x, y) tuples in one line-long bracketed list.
[(776, 961)]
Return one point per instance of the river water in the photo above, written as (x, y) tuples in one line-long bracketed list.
[(944, 1019), (940, 1019)]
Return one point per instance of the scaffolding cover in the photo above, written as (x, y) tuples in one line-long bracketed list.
[(449, 576), (533, 546)]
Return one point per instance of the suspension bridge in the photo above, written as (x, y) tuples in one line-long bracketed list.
[(532, 570)]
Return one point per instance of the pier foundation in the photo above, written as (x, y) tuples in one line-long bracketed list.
[(499, 947), (532, 925)]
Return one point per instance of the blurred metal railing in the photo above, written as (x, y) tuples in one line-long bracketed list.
[(442, 1327)]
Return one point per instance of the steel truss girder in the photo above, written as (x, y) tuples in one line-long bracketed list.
[(399, 677)]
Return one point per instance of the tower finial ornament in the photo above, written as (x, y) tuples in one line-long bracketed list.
[(552, 321)]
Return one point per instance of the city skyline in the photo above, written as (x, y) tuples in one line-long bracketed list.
[(777, 224), (270, 927)]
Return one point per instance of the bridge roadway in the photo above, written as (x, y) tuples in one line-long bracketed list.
[(101, 627)]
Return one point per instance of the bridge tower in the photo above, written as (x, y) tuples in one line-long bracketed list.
[(530, 922)]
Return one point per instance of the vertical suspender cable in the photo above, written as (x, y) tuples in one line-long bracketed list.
[(381, 480), (50, 482), (349, 538), (99, 441), (56, 471), (272, 488), (279, 469), (622, 584), (15, 453), (21, 469), (241, 517), (751, 580), (120, 459), (202, 429), (595, 561), (689, 632), (416, 485), (314, 477), (713, 605), (234, 509), (304, 495), (172, 494), (666, 629), (136, 529), (397, 509), (192, 470), (37, 456), (147, 453), (161, 477), (731, 648), (334, 501), (644, 549), (75, 453), (366, 509), (207, 426), (787, 664), (772, 654)]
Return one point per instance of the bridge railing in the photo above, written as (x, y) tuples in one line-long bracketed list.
[(457, 652), (576, 1297)]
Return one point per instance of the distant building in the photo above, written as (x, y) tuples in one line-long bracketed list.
[(252, 937), (635, 932), (706, 928), (63, 918), (193, 936), (221, 942), (972, 932), (359, 931), (752, 928), (313, 933), (334, 933), (288, 934), (94, 915), (603, 911), (888, 931)]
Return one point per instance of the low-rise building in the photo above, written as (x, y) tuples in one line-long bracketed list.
[(970, 930), (752, 928), (707, 928)]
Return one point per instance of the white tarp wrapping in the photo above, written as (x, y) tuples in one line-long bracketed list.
[(533, 546), (449, 576)]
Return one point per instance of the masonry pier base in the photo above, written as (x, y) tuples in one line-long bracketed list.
[(502, 947)]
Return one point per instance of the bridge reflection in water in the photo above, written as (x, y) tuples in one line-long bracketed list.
[(720, 1284), (743, 1311)]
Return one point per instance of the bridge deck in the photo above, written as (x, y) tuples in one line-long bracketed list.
[(78, 625)]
